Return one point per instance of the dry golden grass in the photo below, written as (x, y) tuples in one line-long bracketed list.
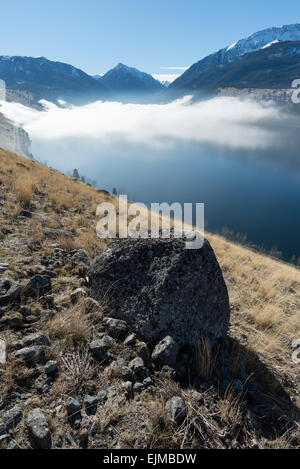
[(70, 327), (264, 293), (24, 187)]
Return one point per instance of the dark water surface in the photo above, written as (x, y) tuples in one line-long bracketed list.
[(253, 192)]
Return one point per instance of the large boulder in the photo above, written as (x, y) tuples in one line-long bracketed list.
[(161, 289)]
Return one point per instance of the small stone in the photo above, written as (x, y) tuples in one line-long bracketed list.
[(165, 353), (101, 444), (115, 327), (138, 387), (127, 374), (102, 397), (143, 352), (25, 311), (176, 411), (11, 293), (126, 354), (128, 388), (15, 320), (130, 340), (10, 419), (73, 406), (137, 364), (36, 339), (35, 354), (168, 372), (100, 347), (39, 429), (147, 382), (47, 302), (38, 286), (70, 440), (51, 367), (90, 403), (296, 344), (13, 445), (82, 257), (5, 437)]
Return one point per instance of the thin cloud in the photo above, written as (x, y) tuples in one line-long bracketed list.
[(174, 68)]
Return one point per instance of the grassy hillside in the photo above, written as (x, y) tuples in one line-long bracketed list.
[(264, 296)]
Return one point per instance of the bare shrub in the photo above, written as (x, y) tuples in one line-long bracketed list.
[(78, 367)]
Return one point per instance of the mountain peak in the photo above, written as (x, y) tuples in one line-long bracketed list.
[(232, 54), (123, 78)]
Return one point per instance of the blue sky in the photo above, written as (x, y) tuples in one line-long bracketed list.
[(95, 35)]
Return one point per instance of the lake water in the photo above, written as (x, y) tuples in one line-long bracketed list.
[(252, 192)]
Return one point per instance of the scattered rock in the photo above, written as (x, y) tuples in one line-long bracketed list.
[(100, 347), (102, 397), (295, 344), (159, 287), (128, 388), (143, 352), (130, 340), (9, 292), (38, 286), (167, 372), (82, 257), (47, 302), (39, 429), (13, 445), (137, 365), (115, 327), (3, 267), (32, 355), (127, 374), (176, 411), (36, 339), (25, 311), (147, 382), (73, 406), (50, 233), (51, 367), (14, 320), (165, 353), (10, 419), (90, 403), (138, 387)]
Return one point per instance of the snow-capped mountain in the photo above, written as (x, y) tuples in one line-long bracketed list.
[(260, 40), (213, 64), (46, 79), (124, 79)]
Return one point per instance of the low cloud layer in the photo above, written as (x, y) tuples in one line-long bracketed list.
[(221, 121)]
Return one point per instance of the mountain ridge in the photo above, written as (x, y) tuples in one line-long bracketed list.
[(229, 55)]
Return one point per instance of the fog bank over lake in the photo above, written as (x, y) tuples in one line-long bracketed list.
[(240, 158)]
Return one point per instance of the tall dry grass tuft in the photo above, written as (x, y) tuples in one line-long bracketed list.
[(71, 327), (24, 187), (205, 357)]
